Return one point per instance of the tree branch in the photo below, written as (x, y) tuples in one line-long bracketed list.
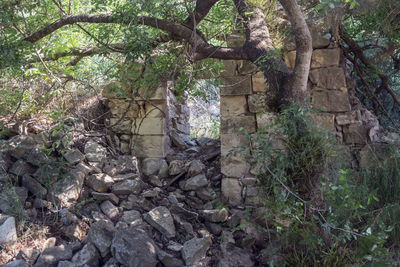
[(178, 31), (202, 9)]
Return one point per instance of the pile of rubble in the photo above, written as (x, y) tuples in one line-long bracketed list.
[(115, 210)]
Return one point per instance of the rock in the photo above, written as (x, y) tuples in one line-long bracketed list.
[(17, 263), (155, 166), (151, 193), (155, 180), (216, 216), (65, 264), (227, 237), (168, 260), (234, 256), (73, 231), (127, 187), (123, 177), (111, 263), (121, 165), (180, 210), (21, 167), (194, 183), (206, 194), (40, 204), (161, 219), (19, 146), (20, 192), (132, 247), (196, 167), (109, 209), (74, 156), (49, 243), (176, 167), (67, 217), (231, 191), (28, 254), (214, 228), (33, 186), (67, 190), (195, 250), (8, 232), (94, 151), (174, 246), (37, 157), (106, 196), (132, 217), (101, 234), (99, 182), (178, 140), (87, 256), (51, 256), (47, 174)]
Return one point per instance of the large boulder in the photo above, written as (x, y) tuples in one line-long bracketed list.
[(101, 234), (195, 250), (132, 247), (67, 190), (94, 151)]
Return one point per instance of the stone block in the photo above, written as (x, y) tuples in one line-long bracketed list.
[(231, 191), (259, 83), (233, 105), (149, 126), (239, 85), (233, 163), (323, 58), (355, 134), (324, 120), (232, 142), (246, 67), (118, 107), (230, 68), (116, 90), (151, 93), (150, 146), (234, 124), (154, 109), (257, 103), (119, 126), (331, 101), (346, 119), (236, 39), (328, 78), (265, 120)]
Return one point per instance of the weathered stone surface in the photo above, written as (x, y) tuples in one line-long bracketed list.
[(109, 209), (20, 167), (245, 67), (230, 68), (177, 166), (178, 139), (231, 191), (233, 105), (37, 157), (127, 187), (150, 146), (99, 182), (121, 165), (106, 196), (155, 93), (257, 103), (328, 78), (325, 120), (259, 83), (322, 58), (116, 90), (65, 264), (51, 256), (94, 151), (216, 215), (154, 109), (149, 126), (169, 260), (235, 165), (19, 146), (331, 101), (345, 119), (355, 134), (101, 234), (234, 256), (33, 186), (132, 247), (118, 107), (123, 126), (265, 120), (8, 232), (29, 255), (74, 156), (87, 255), (67, 190), (17, 263), (132, 217), (233, 124), (194, 182), (239, 85), (195, 250), (161, 219), (196, 167), (155, 166)]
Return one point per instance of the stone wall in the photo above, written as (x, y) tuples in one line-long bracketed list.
[(245, 104)]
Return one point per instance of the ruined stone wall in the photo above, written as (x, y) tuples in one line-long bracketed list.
[(244, 104)]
